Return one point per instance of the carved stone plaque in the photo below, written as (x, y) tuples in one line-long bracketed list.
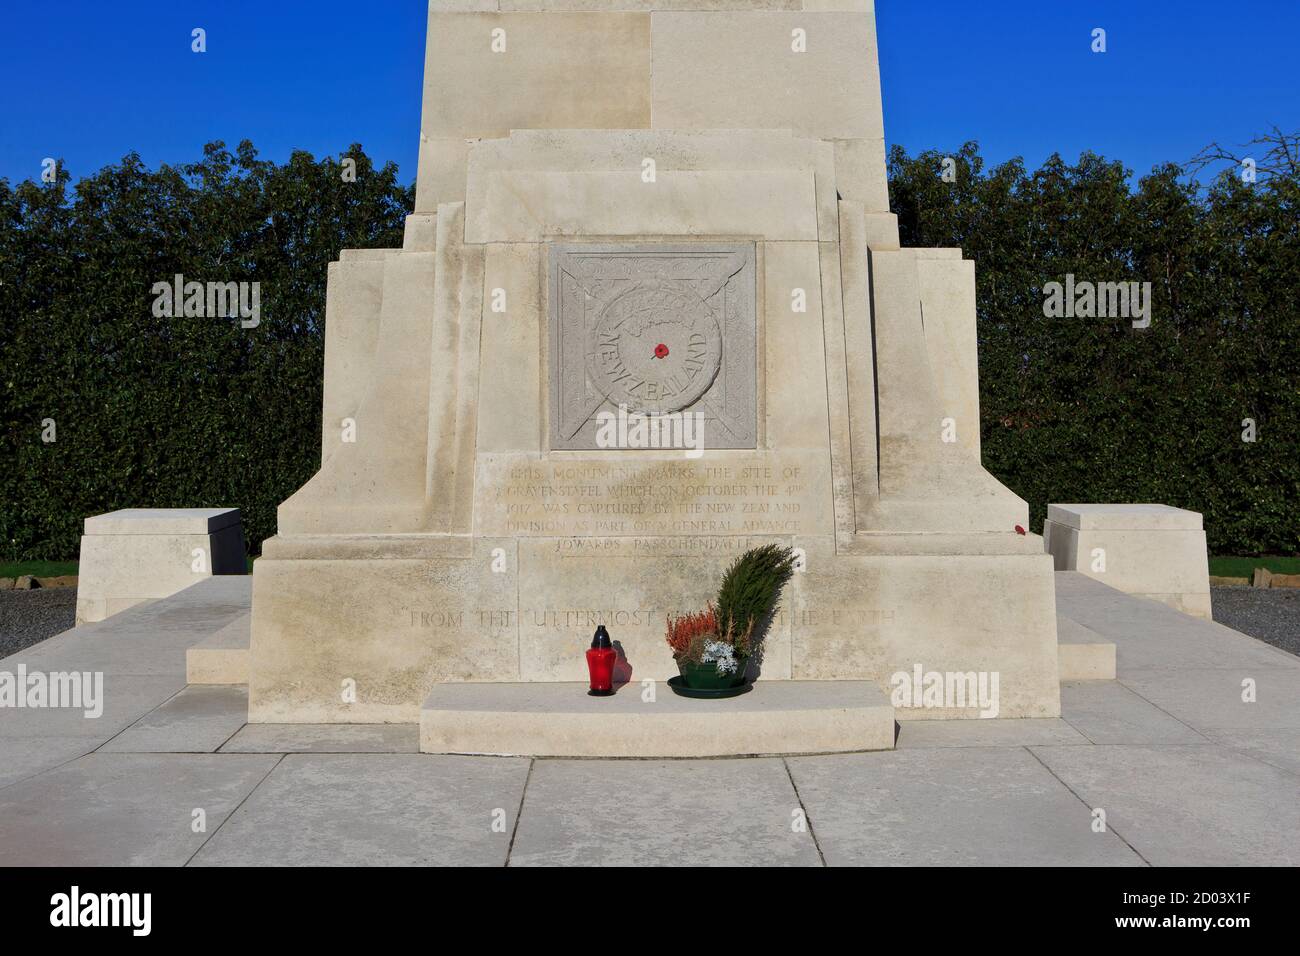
[(653, 330)]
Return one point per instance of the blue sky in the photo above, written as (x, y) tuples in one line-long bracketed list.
[(88, 81)]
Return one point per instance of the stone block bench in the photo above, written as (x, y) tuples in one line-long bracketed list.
[(141, 554), (1148, 550)]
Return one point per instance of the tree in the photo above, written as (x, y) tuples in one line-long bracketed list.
[(170, 412), (1092, 409)]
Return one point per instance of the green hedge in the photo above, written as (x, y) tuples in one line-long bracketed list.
[(162, 412), (1078, 409), (159, 412)]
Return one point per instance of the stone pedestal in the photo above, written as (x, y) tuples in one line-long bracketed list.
[(678, 215), (1150, 550), (556, 719), (139, 554)]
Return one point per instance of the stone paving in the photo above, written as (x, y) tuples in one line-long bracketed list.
[(1186, 772)]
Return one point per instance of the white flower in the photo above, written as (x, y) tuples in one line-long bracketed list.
[(720, 653)]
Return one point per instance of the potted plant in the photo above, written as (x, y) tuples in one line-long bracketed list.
[(713, 647)]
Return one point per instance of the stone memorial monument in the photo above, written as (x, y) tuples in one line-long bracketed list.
[(651, 310)]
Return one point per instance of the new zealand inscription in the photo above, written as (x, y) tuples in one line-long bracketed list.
[(656, 331), (772, 495)]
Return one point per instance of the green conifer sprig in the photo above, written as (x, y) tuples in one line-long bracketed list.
[(752, 585)]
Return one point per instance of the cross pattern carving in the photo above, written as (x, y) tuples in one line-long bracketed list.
[(658, 329)]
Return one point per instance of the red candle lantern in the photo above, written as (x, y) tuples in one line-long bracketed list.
[(600, 663)]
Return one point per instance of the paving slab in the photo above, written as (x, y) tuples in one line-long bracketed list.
[(127, 655), (1148, 634), (202, 608), (950, 807), (149, 639), (1211, 698), (1107, 712), (1187, 772), (326, 738), (1187, 806), (125, 700), (23, 757), (661, 813), (197, 720), (123, 809), (1279, 748), (996, 732), (372, 810)]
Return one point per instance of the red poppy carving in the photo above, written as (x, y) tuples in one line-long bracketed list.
[(661, 351)]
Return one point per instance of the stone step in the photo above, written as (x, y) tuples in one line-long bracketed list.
[(222, 658), (1082, 653), (561, 720)]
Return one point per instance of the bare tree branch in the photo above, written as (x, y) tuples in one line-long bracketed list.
[(1274, 153)]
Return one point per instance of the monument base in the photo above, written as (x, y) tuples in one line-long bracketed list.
[(360, 629), (560, 720)]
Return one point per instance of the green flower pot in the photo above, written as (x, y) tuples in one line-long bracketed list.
[(706, 676)]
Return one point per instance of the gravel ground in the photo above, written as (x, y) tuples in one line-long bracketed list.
[(1270, 614), (27, 617)]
